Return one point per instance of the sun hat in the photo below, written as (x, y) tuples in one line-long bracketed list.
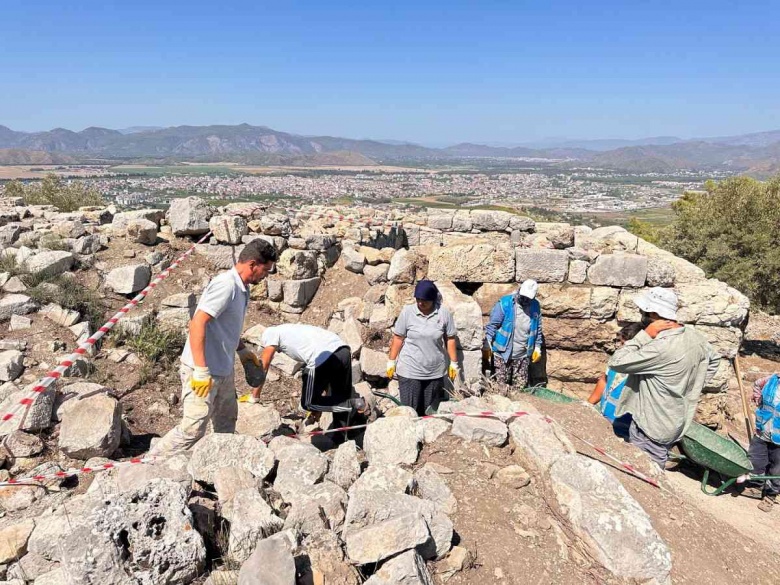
[(426, 291), (528, 289), (658, 300)]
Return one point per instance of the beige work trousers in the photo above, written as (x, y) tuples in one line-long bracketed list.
[(220, 407)]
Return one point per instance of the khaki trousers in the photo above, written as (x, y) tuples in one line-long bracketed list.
[(220, 407)]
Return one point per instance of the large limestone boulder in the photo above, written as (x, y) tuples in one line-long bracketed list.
[(91, 427), (16, 304), (619, 270), (120, 220), (379, 541), (52, 262), (11, 365), (299, 293), (228, 229), (466, 314), (147, 533), (490, 293), (472, 263), (37, 418), (578, 302), (711, 303), (408, 568), (367, 508), (142, 231), (576, 366), (129, 279), (189, 216), (626, 544), (406, 266), (13, 540), (251, 519), (541, 265), (223, 450), (580, 334), (297, 264), (392, 441), (354, 261), (271, 563)]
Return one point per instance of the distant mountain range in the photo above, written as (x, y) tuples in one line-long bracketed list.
[(757, 153)]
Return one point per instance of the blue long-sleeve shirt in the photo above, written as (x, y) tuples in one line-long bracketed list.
[(494, 324)]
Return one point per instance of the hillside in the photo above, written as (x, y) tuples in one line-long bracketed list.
[(15, 156), (755, 153)]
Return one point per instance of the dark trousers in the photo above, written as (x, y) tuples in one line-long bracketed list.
[(658, 452), (765, 457), (335, 374), (420, 394)]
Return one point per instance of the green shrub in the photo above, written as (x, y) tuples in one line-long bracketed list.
[(732, 231), (65, 292), (155, 344), (65, 196)]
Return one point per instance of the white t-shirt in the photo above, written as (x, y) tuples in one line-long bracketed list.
[(304, 343), (226, 299)]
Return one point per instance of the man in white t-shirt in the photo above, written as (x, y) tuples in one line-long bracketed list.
[(328, 362), (208, 359)]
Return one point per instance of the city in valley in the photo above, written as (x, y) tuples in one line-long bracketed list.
[(578, 193)]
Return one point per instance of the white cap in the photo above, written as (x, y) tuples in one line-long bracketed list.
[(528, 289), (658, 300)]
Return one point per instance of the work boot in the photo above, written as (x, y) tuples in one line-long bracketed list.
[(753, 492), (767, 503)]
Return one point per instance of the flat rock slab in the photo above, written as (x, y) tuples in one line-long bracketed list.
[(386, 539), (223, 450), (542, 443), (390, 441), (406, 569), (482, 430), (610, 522)]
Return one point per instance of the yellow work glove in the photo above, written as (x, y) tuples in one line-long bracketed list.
[(249, 398), (390, 369), (201, 381), (452, 371), (536, 356), (247, 355)]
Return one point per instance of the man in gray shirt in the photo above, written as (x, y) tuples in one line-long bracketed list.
[(208, 385), (667, 364)]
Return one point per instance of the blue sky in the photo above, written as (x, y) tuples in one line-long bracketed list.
[(431, 72)]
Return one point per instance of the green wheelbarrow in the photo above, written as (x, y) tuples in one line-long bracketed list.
[(725, 457), (547, 394)]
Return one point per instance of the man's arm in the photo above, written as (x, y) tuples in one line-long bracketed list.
[(598, 390), (265, 359), (713, 361), (198, 337), (758, 389), (638, 356)]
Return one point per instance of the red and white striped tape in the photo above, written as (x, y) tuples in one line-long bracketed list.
[(27, 401), (35, 480)]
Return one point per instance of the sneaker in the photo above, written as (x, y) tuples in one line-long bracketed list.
[(767, 503)]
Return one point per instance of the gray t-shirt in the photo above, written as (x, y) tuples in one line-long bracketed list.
[(422, 356), (521, 332), (226, 299), (304, 343)]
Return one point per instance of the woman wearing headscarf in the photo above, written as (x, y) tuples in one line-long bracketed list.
[(514, 335), (417, 353)]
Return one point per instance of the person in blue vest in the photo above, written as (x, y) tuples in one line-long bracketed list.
[(609, 388), (764, 448), (513, 336)]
